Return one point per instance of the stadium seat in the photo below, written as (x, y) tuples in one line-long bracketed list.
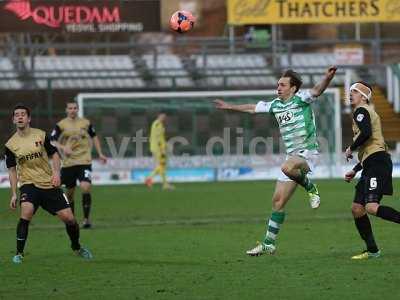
[(302, 62), (85, 69), (231, 68), (7, 71), (168, 65)]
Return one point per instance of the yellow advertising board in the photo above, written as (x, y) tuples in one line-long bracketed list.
[(312, 11)]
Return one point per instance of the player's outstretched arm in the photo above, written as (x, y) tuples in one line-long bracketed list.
[(11, 163), (348, 177), (96, 142), (55, 161), (54, 137), (248, 108), (319, 88), (12, 174), (56, 167), (363, 121), (62, 148)]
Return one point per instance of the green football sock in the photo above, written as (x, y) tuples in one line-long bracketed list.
[(273, 226), (305, 182)]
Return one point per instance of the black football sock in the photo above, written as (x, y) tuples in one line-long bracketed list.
[(86, 204), (388, 213), (365, 230), (70, 197), (73, 233), (22, 235), (72, 205)]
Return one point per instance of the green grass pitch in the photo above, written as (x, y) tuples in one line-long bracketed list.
[(190, 244)]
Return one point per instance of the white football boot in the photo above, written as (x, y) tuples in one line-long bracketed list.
[(261, 249), (315, 199)]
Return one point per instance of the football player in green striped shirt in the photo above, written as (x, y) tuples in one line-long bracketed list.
[(292, 109)]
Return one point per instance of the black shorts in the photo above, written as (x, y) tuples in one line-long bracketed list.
[(70, 175), (376, 179), (51, 200)]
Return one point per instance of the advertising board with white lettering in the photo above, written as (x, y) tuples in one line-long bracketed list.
[(79, 16)]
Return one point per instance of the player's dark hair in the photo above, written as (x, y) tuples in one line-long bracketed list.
[(72, 102), (295, 78), (22, 106)]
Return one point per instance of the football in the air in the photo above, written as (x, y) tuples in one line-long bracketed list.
[(182, 21)]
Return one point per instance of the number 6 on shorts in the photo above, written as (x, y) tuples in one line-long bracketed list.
[(373, 183)]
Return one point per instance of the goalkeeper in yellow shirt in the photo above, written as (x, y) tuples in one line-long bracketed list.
[(158, 147)]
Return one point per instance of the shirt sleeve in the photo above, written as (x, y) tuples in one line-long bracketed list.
[(55, 134), (306, 96), (363, 120), (10, 159), (263, 107), (50, 149), (91, 131), (357, 167)]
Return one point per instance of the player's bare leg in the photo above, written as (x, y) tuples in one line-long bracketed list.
[(27, 212), (86, 203), (70, 196), (296, 168), (72, 228), (283, 192)]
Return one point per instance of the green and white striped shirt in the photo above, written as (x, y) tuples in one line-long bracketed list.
[(296, 120)]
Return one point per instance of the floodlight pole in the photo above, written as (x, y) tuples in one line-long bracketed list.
[(274, 45), (79, 99), (231, 39), (347, 84), (357, 31), (378, 44)]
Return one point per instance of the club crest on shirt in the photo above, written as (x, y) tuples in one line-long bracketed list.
[(38, 143)]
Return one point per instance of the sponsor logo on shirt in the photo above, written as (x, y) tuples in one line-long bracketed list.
[(285, 117)]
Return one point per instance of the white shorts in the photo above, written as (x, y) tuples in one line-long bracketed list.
[(311, 157)]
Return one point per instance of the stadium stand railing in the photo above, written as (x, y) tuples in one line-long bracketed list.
[(180, 64), (68, 71), (186, 63), (393, 86)]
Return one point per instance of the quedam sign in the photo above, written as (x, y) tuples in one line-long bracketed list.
[(80, 16)]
